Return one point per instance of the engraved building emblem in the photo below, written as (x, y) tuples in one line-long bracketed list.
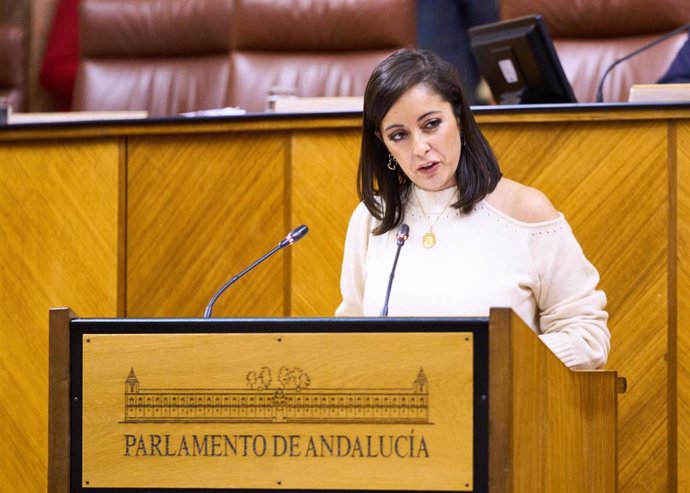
[(286, 398)]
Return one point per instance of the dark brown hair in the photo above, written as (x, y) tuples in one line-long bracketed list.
[(384, 191)]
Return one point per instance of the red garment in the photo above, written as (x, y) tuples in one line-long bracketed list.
[(59, 67)]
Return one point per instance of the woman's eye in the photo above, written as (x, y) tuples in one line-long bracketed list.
[(432, 123), (396, 136)]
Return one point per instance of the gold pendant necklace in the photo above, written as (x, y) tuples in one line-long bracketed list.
[(429, 238)]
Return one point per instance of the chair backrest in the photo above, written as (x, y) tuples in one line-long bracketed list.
[(589, 35), (164, 56), (171, 56), (13, 66), (319, 48)]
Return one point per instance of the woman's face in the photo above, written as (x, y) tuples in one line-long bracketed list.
[(422, 133)]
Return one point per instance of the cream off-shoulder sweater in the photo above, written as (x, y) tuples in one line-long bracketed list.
[(481, 260)]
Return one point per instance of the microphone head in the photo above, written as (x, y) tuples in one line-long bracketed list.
[(294, 235), (299, 232), (403, 234)]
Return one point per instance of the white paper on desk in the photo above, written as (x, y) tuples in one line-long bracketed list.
[(228, 110), (659, 93), (75, 116)]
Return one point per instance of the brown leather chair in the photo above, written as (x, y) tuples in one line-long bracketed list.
[(164, 56), (589, 35), (13, 64), (321, 48), (171, 56)]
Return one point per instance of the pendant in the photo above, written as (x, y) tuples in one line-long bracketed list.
[(429, 239)]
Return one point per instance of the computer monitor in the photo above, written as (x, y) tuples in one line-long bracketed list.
[(517, 59)]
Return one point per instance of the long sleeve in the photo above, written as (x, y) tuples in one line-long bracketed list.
[(353, 277), (572, 319)]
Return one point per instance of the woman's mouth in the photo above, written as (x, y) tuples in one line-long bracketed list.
[(428, 167)]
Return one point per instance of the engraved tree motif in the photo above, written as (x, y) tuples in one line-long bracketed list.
[(252, 380), (264, 380), (287, 378), (284, 377), (300, 379)]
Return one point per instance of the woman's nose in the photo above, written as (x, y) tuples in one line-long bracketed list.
[(421, 145)]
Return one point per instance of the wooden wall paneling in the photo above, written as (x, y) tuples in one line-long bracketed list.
[(324, 195), (201, 208), (205, 199), (682, 353), (611, 181), (59, 229)]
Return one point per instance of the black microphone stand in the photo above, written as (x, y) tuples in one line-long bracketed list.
[(403, 233), (292, 237), (209, 307)]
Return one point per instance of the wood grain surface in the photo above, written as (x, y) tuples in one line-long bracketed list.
[(200, 210), (432, 453), (150, 218), (59, 246), (324, 171), (607, 180), (540, 412), (679, 347)]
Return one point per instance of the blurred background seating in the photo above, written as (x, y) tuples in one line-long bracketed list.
[(59, 64), (320, 48), (163, 56), (589, 35), (13, 66), (276, 35), (173, 56)]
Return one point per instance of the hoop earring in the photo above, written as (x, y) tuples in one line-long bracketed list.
[(392, 163)]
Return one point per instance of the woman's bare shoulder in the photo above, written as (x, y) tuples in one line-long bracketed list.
[(523, 203)]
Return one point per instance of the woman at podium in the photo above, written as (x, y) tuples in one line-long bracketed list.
[(476, 239)]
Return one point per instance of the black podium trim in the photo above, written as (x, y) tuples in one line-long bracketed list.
[(477, 326)]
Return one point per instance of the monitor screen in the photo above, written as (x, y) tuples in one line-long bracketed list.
[(517, 59)]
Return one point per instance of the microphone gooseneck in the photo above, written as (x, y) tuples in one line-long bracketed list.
[(670, 34), (293, 236), (401, 237)]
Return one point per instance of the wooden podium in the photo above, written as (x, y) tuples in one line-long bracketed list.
[(299, 404)]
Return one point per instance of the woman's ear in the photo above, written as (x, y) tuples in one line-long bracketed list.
[(378, 134)]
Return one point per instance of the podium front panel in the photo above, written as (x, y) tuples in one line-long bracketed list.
[(279, 404)]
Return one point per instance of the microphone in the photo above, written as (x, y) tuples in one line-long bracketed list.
[(403, 234), (293, 236), (600, 87)]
